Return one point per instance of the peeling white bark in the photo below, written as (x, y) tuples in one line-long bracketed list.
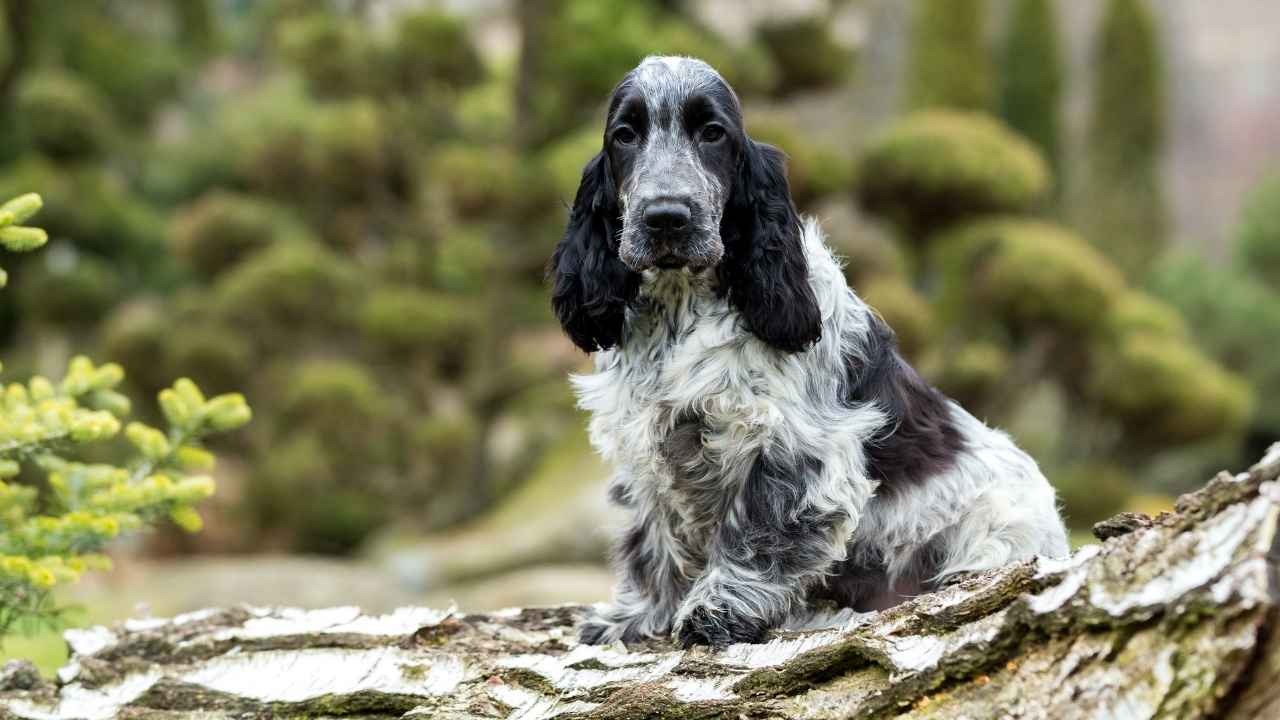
[(1171, 617)]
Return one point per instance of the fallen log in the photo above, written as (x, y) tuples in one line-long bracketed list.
[(1172, 616)]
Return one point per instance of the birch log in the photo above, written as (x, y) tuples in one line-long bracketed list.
[(1173, 616)]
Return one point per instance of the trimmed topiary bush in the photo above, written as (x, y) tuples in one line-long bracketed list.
[(431, 50), (287, 287), (63, 117), (1136, 313), (932, 168), (222, 228), (1165, 392), (404, 319), (1030, 274), (335, 55), (974, 372), (907, 312), (805, 53)]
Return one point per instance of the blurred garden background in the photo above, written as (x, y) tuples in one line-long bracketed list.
[(1068, 209)]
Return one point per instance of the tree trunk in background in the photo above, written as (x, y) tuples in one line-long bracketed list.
[(1171, 617)]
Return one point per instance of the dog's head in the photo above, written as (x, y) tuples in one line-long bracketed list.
[(680, 187)]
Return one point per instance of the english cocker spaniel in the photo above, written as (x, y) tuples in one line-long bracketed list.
[(771, 445)]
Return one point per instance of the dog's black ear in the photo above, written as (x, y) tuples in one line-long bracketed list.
[(591, 286), (764, 269)]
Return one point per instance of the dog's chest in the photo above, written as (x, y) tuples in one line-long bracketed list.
[(685, 373)]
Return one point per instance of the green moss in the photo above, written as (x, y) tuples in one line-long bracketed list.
[(805, 53), (906, 311), (1027, 273), (933, 168), (222, 228)]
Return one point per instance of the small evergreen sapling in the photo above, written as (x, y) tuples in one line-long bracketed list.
[(52, 538)]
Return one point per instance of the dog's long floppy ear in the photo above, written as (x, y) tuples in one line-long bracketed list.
[(764, 268), (591, 286)]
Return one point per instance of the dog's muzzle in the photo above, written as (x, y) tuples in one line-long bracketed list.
[(667, 224)]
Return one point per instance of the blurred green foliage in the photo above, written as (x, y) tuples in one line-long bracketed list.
[(933, 167), (1031, 77), (950, 63), (805, 53), (1120, 207), (1234, 311), (1258, 237)]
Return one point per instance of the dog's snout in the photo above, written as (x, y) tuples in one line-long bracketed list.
[(667, 216)]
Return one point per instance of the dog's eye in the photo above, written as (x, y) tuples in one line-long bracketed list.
[(624, 136), (711, 133)]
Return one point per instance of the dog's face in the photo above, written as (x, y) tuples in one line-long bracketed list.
[(673, 136), (678, 186)]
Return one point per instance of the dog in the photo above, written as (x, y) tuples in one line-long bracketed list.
[(772, 447)]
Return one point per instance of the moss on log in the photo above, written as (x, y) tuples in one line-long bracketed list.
[(1173, 616)]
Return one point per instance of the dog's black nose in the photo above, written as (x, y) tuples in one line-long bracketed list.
[(666, 216)]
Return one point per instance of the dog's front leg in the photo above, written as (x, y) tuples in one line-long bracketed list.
[(787, 524), (655, 575)]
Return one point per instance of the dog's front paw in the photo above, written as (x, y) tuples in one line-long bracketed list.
[(718, 627)]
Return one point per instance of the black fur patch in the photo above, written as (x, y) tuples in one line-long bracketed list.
[(921, 439), (863, 584), (776, 537)]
